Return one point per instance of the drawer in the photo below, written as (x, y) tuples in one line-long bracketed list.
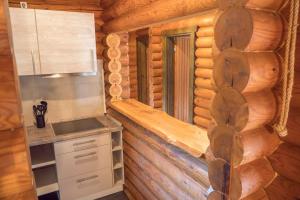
[(74, 163), (85, 184), (81, 144)]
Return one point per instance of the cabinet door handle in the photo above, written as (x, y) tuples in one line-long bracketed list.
[(85, 155), (87, 179), (83, 143)]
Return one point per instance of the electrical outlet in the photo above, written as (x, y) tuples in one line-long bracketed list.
[(23, 4)]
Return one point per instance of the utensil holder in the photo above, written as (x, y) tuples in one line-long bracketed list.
[(40, 121)]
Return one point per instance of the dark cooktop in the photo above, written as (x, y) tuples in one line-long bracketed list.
[(74, 126)]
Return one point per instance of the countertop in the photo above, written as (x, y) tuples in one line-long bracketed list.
[(38, 136), (187, 137)]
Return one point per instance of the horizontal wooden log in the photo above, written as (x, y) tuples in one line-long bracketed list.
[(204, 63), (157, 104), (157, 88), (204, 73), (156, 48), (246, 72), (133, 190), (157, 64), (113, 78), (251, 145), (157, 80), (204, 83), (202, 102), (122, 7), (247, 112), (107, 3), (205, 31), (215, 195), (249, 178), (201, 20), (181, 179), (221, 140), (157, 72), (157, 96), (156, 56), (256, 4), (260, 194), (204, 93), (202, 112), (249, 30), (148, 14), (218, 172), (204, 42), (151, 177), (286, 161), (204, 53), (202, 122), (137, 185), (283, 188), (115, 90), (128, 194)]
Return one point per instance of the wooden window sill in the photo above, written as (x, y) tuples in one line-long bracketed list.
[(185, 136)]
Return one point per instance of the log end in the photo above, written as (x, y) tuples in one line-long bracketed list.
[(234, 28)]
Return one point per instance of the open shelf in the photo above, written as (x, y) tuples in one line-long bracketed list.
[(118, 176), (117, 159), (42, 155), (116, 140), (46, 179)]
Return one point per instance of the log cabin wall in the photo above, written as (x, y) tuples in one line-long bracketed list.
[(16, 178), (91, 6), (133, 65), (285, 160), (243, 109), (154, 169)]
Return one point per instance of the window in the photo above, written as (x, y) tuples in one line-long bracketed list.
[(179, 74)]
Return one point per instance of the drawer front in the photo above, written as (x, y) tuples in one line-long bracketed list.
[(74, 163), (81, 144), (86, 184)]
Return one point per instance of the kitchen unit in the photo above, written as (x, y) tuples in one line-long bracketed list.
[(51, 42), (82, 159), (79, 153)]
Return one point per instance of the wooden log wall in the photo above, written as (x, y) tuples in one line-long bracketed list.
[(16, 178), (91, 6), (113, 68), (154, 169), (155, 60), (245, 72), (124, 48), (285, 160), (204, 90)]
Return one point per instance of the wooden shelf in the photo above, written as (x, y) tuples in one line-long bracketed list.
[(42, 155), (117, 148), (118, 165), (118, 176), (46, 180), (187, 137)]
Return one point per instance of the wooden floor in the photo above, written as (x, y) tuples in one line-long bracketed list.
[(117, 196)]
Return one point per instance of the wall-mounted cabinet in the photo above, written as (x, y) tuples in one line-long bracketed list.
[(50, 42)]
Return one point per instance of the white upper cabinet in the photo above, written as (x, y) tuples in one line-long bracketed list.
[(65, 40), (25, 43)]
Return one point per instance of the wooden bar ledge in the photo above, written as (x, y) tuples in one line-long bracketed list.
[(185, 136)]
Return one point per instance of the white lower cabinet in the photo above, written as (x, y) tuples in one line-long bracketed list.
[(85, 184), (85, 168), (71, 164)]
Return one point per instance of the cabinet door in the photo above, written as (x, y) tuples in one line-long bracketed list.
[(66, 41), (25, 42)]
